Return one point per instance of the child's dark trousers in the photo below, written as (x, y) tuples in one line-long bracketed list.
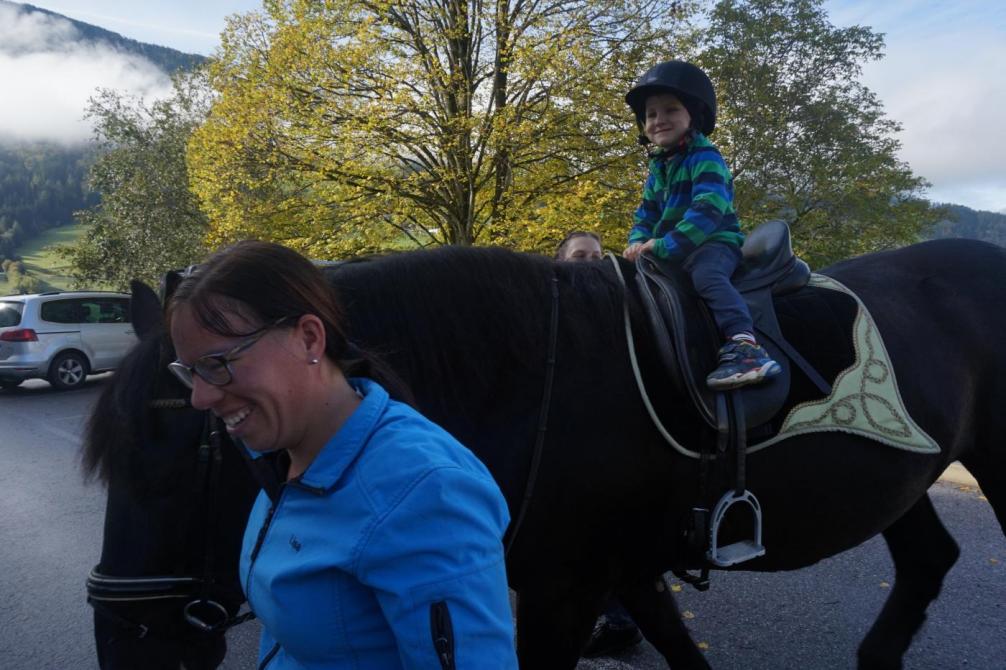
[(711, 266)]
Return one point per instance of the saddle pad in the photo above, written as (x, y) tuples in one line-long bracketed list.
[(864, 400)]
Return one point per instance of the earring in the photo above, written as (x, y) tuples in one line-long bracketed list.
[(313, 361)]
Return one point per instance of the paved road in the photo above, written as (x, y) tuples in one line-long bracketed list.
[(813, 619), (50, 529)]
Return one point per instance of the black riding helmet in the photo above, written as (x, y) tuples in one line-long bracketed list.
[(687, 82)]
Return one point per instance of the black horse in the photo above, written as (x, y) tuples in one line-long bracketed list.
[(526, 362)]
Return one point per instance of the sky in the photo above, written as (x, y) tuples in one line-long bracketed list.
[(943, 76)]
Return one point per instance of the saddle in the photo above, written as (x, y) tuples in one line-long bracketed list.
[(687, 337), (688, 342)]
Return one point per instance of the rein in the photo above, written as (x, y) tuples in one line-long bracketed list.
[(546, 401), (639, 375), (106, 592)]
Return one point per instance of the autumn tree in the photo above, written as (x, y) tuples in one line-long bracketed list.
[(806, 140), (358, 125), (147, 221)]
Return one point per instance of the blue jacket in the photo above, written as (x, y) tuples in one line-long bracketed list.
[(385, 553), (688, 199)]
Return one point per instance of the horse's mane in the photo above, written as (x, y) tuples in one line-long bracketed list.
[(500, 296), (118, 422), (462, 291)]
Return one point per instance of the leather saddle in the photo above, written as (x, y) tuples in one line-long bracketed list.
[(687, 337)]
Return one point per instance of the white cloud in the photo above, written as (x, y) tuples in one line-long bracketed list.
[(942, 77), (950, 102), (48, 74)]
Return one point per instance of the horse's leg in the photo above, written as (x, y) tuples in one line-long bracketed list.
[(652, 607), (552, 628), (923, 553), (990, 472)]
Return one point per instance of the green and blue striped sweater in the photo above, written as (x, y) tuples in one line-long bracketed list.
[(688, 199)]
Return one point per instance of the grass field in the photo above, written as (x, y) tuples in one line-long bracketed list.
[(42, 262)]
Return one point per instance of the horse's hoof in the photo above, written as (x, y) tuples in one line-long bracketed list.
[(608, 639)]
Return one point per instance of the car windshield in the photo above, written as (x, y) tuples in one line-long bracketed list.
[(10, 313)]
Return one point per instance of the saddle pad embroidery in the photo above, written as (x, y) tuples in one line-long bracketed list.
[(865, 399)]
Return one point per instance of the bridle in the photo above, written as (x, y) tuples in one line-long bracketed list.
[(108, 593)]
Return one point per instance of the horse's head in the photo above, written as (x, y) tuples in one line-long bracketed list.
[(178, 498)]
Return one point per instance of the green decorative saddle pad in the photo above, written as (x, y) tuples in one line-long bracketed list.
[(833, 329)]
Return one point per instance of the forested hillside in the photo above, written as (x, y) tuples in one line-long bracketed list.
[(42, 182), (165, 58), (41, 186), (971, 224)]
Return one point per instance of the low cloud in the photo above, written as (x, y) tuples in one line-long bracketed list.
[(49, 71), (949, 101), (942, 79)]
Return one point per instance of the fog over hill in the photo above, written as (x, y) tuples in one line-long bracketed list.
[(50, 65)]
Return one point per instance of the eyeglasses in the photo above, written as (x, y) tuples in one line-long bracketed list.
[(216, 369)]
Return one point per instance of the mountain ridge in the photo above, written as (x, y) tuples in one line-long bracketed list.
[(166, 58), (44, 181)]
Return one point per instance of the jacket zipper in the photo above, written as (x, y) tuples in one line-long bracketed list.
[(268, 657), (259, 541), (443, 634)]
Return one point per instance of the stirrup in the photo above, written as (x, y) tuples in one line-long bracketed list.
[(738, 552)]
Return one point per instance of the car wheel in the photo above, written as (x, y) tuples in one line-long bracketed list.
[(7, 384), (68, 370)]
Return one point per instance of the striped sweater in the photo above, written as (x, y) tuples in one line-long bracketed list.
[(688, 199)]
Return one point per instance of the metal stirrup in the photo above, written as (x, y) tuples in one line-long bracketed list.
[(738, 552), (729, 407)]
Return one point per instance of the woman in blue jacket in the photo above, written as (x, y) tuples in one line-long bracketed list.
[(383, 547)]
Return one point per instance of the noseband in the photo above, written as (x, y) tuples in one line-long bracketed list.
[(107, 593)]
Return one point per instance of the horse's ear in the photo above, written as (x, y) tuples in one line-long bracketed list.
[(148, 317)]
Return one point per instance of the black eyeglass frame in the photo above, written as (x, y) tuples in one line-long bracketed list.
[(222, 361)]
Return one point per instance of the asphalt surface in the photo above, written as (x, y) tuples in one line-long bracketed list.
[(811, 619), (815, 618)]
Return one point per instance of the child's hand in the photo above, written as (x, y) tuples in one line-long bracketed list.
[(633, 251)]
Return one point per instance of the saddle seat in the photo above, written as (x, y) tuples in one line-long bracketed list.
[(688, 339)]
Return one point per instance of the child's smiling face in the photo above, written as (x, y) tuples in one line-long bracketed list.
[(667, 120)]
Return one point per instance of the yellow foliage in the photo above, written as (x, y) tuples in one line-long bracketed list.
[(351, 126)]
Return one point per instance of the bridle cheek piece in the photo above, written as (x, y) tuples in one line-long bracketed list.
[(107, 592)]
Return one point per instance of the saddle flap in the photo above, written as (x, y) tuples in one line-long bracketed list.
[(689, 341)]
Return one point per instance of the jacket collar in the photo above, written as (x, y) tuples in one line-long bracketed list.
[(686, 142), (343, 448)]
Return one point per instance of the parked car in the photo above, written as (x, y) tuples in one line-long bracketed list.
[(62, 336)]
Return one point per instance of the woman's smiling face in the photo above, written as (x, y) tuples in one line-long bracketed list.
[(261, 404)]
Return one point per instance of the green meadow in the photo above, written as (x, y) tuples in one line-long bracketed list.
[(41, 261)]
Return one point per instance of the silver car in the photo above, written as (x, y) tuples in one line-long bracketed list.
[(62, 336)]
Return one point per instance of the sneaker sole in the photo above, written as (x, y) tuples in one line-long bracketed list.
[(770, 369)]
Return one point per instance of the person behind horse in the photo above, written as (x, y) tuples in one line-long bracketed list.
[(615, 630), (580, 246), (383, 546), (687, 216)]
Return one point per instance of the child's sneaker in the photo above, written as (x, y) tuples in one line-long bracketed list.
[(741, 363)]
